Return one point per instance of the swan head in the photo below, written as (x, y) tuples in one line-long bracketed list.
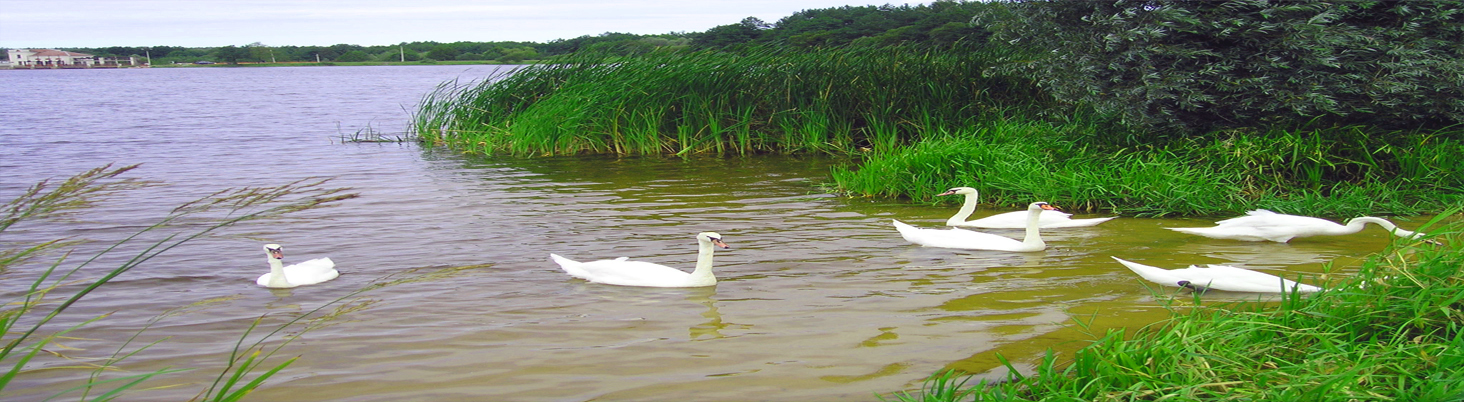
[(1042, 205), (958, 190), (711, 237), (274, 251), (1192, 286)]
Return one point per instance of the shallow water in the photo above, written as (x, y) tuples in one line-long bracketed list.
[(820, 299)]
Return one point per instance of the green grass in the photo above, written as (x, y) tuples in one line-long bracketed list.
[(682, 103), (1330, 172), (1392, 332)]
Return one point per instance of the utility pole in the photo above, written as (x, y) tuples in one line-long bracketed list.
[(403, 52)]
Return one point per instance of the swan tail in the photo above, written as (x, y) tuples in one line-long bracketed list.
[(571, 267)]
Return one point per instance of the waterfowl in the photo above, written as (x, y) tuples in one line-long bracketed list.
[(1219, 277), (1263, 225), (306, 273), (972, 240), (621, 271), (1049, 219)]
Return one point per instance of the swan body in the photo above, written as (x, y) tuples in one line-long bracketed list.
[(1220, 277), (306, 273), (621, 271), (1049, 219), (1263, 225), (972, 240)]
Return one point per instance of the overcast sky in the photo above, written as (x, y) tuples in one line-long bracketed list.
[(208, 23)]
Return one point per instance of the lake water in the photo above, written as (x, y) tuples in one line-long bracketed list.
[(820, 299)]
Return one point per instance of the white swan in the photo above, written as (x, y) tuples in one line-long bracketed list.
[(1219, 277), (306, 273), (971, 240), (1262, 225), (1049, 219), (621, 271)]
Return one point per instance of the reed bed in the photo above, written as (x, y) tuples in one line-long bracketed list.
[(756, 101), (1331, 172), (1392, 332)]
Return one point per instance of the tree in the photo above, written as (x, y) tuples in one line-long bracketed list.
[(518, 55), (1195, 66), (231, 54), (354, 56), (443, 52), (747, 31)]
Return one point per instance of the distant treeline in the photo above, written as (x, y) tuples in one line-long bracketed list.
[(943, 23)]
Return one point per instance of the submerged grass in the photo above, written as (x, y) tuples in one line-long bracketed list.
[(1394, 332)]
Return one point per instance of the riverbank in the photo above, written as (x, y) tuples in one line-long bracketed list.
[(1391, 332)]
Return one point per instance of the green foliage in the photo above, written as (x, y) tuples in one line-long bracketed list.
[(1338, 172), (1196, 66), (443, 52), (757, 100), (1392, 332), (354, 56)]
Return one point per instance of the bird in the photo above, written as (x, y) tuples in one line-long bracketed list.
[(306, 273), (1218, 277), (621, 271), (1263, 225), (972, 240), (1014, 219)]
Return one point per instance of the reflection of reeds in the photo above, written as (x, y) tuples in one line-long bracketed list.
[(759, 100), (1392, 332), (199, 218)]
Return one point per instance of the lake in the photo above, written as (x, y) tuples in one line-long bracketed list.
[(819, 300)]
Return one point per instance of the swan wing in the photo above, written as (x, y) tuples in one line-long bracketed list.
[(633, 273), (1018, 220), (1219, 277), (1234, 279), (956, 238), (311, 272)]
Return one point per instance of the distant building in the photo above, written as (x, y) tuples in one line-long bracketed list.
[(49, 58)]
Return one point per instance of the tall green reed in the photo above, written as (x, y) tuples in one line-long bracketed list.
[(25, 323), (758, 100)]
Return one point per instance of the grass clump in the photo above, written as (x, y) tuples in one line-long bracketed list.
[(758, 100), (1393, 332), (1336, 171)]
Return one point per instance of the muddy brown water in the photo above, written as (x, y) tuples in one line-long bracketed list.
[(820, 299)]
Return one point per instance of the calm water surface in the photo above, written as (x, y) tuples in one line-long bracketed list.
[(820, 299)]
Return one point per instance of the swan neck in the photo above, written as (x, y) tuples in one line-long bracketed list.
[(1356, 224), (1034, 215), (277, 273), (704, 253), (967, 207)]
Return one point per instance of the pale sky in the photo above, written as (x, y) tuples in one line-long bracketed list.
[(209, 23)]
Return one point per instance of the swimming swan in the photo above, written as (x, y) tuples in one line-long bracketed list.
[(1218, 277), (1262, 225), (971, 240), (306, 273), (623, 272), (1012, 220)]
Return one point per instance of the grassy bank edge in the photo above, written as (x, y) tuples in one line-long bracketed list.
[(1394, 331)]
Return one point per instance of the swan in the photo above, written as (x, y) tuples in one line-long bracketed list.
[(1012, 220), (971, 240), (1219, 277), (1262, 225), (306, 273), (622, 271)]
